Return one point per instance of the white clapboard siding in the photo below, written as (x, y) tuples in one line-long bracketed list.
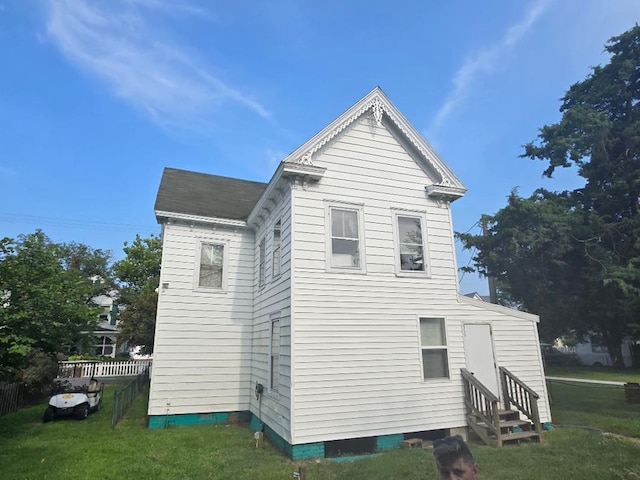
[(356, 355), (203, 338), (274, 298)]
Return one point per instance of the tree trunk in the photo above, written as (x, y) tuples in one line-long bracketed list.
[(614, 347)]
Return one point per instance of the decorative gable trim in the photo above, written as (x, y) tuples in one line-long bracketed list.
[(380, 107)]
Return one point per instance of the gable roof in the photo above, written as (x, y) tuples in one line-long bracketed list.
[(446, 185), (204, 195)]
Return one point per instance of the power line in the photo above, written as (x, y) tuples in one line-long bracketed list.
[(72, 223)]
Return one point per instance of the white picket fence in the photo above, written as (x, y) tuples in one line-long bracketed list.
[(102, 369)]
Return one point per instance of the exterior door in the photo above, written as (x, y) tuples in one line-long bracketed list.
[(478, 350)]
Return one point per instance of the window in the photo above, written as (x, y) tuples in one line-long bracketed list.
[(261, 264), (433, 345), (345, 245), (211, 266), (274, 354), (104, 346), (410, 249), (276, 249)]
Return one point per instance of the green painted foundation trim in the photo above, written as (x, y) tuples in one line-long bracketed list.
[(183, 420), (353, 458), (294, 452), (387, 442)]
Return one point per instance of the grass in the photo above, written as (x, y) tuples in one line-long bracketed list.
[(70, 449), (599, 406), (595, 373)]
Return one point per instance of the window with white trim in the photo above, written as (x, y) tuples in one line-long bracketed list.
[(210, 272), (261, 265), (433, 346), (345, 246), (411, 252), (274, 353), (276, 260)]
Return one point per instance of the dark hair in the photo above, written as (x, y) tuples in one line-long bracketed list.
[(450, 449)]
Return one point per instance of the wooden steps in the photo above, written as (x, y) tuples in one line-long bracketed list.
[(512, 420), (512, 429)]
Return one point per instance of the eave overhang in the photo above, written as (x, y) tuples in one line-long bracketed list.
[(174, 217), (285, 174)]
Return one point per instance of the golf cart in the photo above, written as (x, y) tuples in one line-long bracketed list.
[(74, 397)]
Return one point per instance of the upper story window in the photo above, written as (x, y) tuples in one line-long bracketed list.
[(411, 252), (277, 265), (345, 244), (433, 345), (262, 260), (210, 273)]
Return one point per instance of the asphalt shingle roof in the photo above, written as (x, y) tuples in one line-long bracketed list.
[(193, 193)]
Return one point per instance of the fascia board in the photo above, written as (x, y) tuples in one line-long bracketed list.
[(499, 308)]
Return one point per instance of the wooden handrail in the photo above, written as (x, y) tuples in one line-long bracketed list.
[(519, 382), (481, 405), (467, 375), (518, 394)]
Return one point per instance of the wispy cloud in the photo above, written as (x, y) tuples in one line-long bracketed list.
[(486, 61), (125, 44)]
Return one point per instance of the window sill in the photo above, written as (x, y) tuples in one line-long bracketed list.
[(408, 274), (209, 290), (432, 381), (353, 271)]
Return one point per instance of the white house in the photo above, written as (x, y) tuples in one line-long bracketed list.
[(324, 305), (106, 335)]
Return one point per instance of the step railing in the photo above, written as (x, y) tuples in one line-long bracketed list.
[(517, 394), (482, 405)]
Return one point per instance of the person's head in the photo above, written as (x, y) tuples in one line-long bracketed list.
[(454, 459)]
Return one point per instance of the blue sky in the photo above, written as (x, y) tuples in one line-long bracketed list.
[(96, 97)]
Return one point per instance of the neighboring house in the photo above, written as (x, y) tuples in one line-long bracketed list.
[(106, 335), (477, 296), (592, 352), (324, 305)]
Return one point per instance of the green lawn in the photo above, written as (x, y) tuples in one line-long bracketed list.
[(70, 449), (595, 373)]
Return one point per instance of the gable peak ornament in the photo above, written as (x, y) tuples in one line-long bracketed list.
[(378, 110)]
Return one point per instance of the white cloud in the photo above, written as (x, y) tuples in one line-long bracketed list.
[(485, 62), (118, 42)]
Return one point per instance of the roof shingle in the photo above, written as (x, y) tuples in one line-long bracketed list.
[(193, 193)]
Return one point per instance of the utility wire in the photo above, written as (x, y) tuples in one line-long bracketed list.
[(72, 223)]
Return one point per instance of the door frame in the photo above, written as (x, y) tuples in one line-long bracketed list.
[(493, 352)]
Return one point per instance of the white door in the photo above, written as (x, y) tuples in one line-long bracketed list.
[(478, 350)]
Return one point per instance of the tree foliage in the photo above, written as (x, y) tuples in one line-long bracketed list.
[(139, 273), (45, 292), (574, 257)]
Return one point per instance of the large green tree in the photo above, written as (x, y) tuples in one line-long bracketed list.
[(574, 257), (45, 297), (139, 274)]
